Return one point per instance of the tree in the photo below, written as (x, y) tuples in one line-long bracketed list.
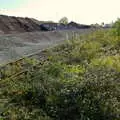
[(63, 20), (102, 24)]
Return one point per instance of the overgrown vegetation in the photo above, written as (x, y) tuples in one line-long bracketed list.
[(80, 80)]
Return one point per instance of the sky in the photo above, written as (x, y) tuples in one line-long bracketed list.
[(81, 11)]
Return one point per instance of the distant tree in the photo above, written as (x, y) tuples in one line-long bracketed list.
[(102, 24), (64, 20), (96, 25)]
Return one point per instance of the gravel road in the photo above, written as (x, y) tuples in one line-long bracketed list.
[(16, 46)]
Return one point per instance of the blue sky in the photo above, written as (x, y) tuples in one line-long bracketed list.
[(11, 4), (82, 11)]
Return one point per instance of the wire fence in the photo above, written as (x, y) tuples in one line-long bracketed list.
[(24, 64)]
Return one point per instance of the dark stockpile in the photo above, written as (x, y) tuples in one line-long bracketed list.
[(10, 25)]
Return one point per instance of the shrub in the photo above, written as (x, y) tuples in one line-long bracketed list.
[(80, 80), (94, 96), (116, 27)]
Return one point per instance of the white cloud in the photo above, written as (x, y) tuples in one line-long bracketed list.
[(83, 11)]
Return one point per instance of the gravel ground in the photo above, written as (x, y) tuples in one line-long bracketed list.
[(16, 46)]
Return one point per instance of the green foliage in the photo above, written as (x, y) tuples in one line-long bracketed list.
[(109, 62), (116, 27), (80, 80), (16, 67), (87, 98), (63, 20)]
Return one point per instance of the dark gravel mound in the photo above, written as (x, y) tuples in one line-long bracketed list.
[(9, 24)]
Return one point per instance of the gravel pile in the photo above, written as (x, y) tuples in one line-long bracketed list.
[(16, 46)]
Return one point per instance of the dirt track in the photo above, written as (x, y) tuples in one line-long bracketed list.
[(16, 46)]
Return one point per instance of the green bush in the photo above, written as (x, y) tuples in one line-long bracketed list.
[(80, 80), (94, 94), (116, 27)]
